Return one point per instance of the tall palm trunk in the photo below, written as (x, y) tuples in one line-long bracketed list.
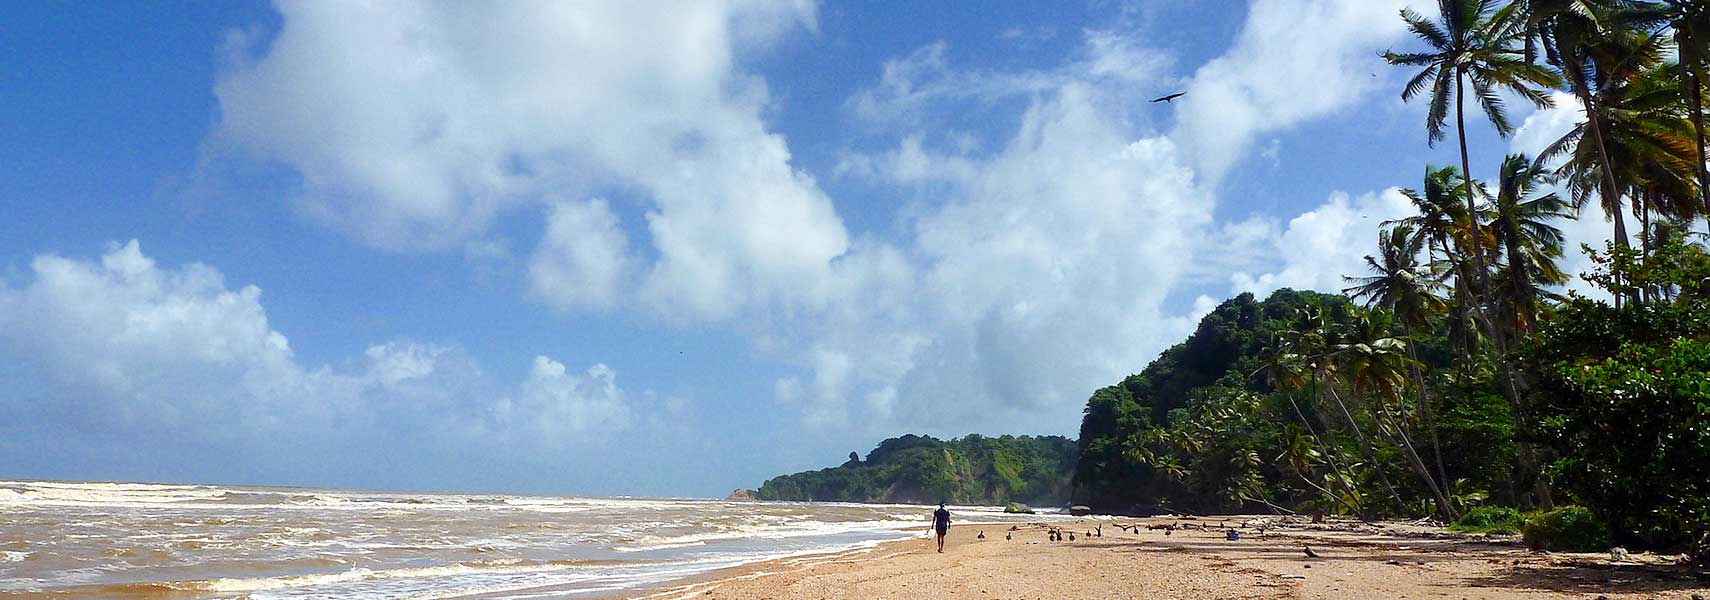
[(1351, 502), (1695, 102), (1610, 191), (1367, 449), (1424, 407), (1466, 178)]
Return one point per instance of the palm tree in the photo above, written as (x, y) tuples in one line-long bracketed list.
[(1399, 282), (1442, 219), (1411, 291), (1375, 364), (1641, 124), (1690, 22), (1442, 224), (1302, 358), (1476, 42), (1530, 243)]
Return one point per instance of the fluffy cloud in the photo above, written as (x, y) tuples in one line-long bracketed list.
[(1042, 271), (1294, 60), (1320, 246), (125, 354), (412, 125), (583, 260), (1055, 260)]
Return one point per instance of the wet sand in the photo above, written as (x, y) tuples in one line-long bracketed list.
[(1355, 561)]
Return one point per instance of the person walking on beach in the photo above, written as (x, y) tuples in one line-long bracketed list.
[(941, 524)]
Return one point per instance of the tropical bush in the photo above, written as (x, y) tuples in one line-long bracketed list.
[(1565, 529), (1489, 519)]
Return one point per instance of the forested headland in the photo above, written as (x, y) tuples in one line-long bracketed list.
[(973, 469)]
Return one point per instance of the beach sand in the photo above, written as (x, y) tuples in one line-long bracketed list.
[(1356, 561)]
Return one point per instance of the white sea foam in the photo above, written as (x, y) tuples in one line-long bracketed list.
[(256, 541)]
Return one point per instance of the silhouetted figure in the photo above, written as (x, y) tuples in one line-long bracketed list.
[(981, 536), (1169, 98), (941, 523), (1006, 536)]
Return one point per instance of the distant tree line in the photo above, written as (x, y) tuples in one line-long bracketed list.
[(973, 469)]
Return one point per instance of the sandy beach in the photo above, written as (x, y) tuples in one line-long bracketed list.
[(1355, 561)]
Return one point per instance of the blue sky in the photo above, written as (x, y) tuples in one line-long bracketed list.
[(652, 249)]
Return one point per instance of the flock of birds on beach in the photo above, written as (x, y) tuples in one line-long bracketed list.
[(1056, 534)]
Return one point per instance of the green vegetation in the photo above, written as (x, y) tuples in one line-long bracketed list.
[(1454, 379), (924, 470), (1565, 529), (1489, 519)]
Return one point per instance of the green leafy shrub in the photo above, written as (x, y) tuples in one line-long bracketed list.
[(1568, 529), (1489, 519)]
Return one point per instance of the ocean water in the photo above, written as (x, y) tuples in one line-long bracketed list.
[(145, 540)]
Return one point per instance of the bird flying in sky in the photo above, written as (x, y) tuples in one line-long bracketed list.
[(1170, 98)]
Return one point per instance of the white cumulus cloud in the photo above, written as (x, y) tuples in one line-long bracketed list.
[(414, 124), (124, 355)]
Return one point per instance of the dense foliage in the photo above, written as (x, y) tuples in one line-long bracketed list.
[(1623, 395), (921, 469)]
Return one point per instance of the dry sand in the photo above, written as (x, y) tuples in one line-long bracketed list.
[(1356, 561)]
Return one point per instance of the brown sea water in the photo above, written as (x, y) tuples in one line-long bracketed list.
[(90, 539)]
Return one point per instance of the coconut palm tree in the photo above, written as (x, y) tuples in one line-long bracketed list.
[(1531, 245), (1690, 22), (1442, 224), (1410, 290), (1399, 281), (1647, 130), (1375, 366), (1479, 43)]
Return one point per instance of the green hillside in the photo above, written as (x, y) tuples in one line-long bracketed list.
[(921, 469)]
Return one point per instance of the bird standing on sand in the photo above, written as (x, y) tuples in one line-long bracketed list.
[(1006, 536), (1309, 551), (1170, 98), (982, 535), (1071, 536)]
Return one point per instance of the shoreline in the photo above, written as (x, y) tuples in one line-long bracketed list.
[(1355, 560)]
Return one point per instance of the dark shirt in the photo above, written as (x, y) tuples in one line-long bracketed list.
[(941, 519)]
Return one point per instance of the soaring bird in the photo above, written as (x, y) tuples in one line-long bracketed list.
[(1170, 98)]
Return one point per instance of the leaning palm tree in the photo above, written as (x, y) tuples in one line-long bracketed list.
[(1478, 43), (1375, 366), (1531, 245), (1640, 121), (1411, 290)]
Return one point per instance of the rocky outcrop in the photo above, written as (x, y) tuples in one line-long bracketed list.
[(741, 495)]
